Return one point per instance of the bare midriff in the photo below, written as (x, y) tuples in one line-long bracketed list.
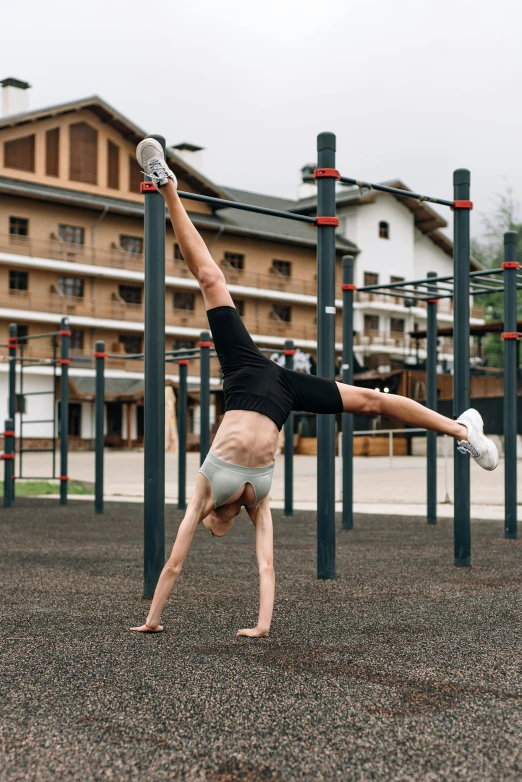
[(246, 438)]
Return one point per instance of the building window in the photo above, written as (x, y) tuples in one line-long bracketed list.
[(131, 294), (135, 175), (83, 153), (71, 234), (131, 343), (75, 419), (18, 226), (18, 281), (182, 343), (234, 261), (397, 325), (396, 279), (184, 301), (239, 304), (21, 332), (19, 153), (370, 278), (77, 340), (384, 230), (132, 244), (282, 312), (113, 166), (178, 255), (371, 325), (52, 152), (71, 286), (284, 268)]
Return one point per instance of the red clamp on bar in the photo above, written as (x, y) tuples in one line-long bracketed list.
[(7, 457), (64, 362), (204, 344), (100, 355), (462, 205), (64, 477), (348, 286), (9, 434), (326, 173), (510, 335), (183, 361), (147, 187), (289, 352), (327, 221), (510, 265), (12, 342), (65, 333), (432, 301)]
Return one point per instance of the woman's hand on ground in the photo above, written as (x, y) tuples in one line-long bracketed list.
[(253, 632), (147, 629)]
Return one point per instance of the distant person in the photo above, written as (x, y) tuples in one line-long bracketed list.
[(259, 396)]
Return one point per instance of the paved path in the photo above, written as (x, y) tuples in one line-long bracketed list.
[(378, 488), (405, 669)]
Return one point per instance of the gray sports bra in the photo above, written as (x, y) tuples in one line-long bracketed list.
[(226, 479)]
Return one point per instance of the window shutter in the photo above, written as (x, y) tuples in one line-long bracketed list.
[(52, 151), (135, 175), (83, 156), (113, 166), (19, 153)]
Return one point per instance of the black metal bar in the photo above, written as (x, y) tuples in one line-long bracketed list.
[(41, 421), (182, 434), (154, 505), (431, 404), (55, 404), (205, 340), (65, 340), (289, 353), (99, 417), (510, 385), (21, 344), (41, 336), (8, 462), (394, 191), (35, 450), (220, 202), (326, 359), (11, 402), (38, 393), (461, 375), (347, 376)]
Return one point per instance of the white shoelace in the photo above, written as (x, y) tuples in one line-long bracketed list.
[(467, 447), (158, 170)]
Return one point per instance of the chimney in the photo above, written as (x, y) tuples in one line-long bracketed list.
[(308, 186), (191, 154), (15, 98)]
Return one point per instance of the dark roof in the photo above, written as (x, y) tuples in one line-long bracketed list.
[(225, 220), (493, 327), (259, 199), (10, 82), (131, 388), (185, 145)]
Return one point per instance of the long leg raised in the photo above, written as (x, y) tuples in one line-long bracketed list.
[(195, 252)]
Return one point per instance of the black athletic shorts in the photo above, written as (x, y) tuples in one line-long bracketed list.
[(251, 381)]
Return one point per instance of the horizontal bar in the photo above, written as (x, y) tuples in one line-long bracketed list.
[(35, 450), (37, 393), (36, 478), (42, 421), (246, 207), (23, 340), (391, 431), (394, 191)]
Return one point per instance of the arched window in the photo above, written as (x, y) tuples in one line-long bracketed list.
[(384, 230), (83, 155)]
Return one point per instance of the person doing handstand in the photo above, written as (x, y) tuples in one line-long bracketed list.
[(259, 395)]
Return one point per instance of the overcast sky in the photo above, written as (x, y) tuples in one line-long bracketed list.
[(412, 88)]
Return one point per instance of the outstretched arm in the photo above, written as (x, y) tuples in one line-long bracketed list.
[(198, 507), (262, 520)]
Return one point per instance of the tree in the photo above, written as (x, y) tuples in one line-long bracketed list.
[(489, 252)]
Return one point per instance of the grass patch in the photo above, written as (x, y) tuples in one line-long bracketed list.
[(36, 488)]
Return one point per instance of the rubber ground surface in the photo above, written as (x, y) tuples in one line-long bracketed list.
[(404, 668)]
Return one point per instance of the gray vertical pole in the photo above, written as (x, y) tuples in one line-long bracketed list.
[(431, 403), (182, 433), (154, 450), (8, 458), (289, 352), (205, 344), (11, 402), (326, 224), (100, 356), (510, 337), (348, 289), (65, 336), (461, 376)]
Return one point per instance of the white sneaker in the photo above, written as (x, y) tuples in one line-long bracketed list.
[(149, 154), (483, 450)]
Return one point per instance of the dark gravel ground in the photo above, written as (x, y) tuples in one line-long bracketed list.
[(405, 668)]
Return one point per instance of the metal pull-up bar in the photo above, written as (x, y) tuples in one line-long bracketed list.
[(403, 193)]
